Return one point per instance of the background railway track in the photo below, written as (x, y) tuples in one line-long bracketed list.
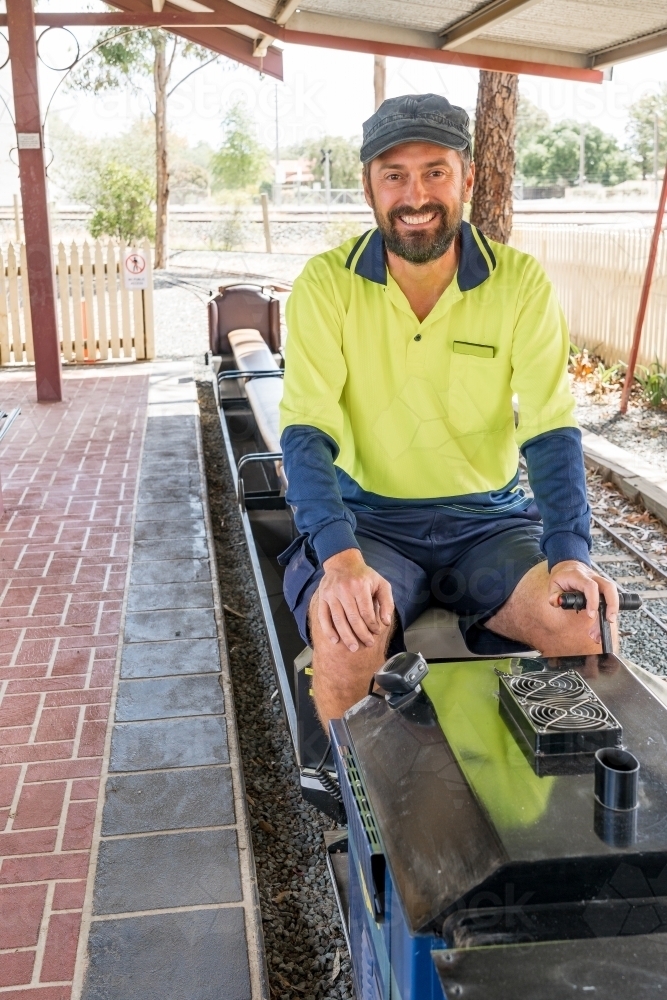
[(630, 547)]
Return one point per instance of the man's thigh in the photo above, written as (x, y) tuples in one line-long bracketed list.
[(483, 579)]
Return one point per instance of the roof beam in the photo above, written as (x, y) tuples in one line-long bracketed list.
[(476, 61), (482, 20), (644, 46), (284, 10), (228, 14)]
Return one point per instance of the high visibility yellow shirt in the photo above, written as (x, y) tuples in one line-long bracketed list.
[(421, 410)]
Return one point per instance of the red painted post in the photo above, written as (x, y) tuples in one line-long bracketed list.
[(643, 302), (41, 280)]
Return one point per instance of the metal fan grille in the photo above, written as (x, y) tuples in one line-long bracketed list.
[(561, 702)]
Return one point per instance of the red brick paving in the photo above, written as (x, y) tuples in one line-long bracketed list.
[(69, 476)]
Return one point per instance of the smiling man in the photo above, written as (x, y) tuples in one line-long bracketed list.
[(404, 350)]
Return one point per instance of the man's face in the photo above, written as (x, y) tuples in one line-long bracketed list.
[(417, 191)]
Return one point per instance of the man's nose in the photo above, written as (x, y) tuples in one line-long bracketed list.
[(417, 193)]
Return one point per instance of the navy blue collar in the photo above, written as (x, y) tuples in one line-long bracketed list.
[(473, 265)]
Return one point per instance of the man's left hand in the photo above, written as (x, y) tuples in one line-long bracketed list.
[(572, 575)]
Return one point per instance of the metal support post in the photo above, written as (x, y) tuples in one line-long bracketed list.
[(36, 228), (646, 289)]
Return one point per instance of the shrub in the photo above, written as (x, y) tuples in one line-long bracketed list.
[(123, 204)]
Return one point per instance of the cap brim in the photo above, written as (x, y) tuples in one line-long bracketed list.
[(416, 133)]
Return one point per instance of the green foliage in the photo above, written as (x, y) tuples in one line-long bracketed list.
[(124, 56), (641, 129), (552, 156), (123, 207), (78, 161), (653, 381), (241, 159), (529, 120), (345, 168)]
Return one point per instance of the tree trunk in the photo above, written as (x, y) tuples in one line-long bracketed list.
[(495, 130), (379, 79), (161, 77)]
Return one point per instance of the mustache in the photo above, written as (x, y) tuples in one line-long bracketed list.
[(427, 209)]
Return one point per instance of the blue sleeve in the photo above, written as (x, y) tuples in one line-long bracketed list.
[(557, 478), (313, 492)]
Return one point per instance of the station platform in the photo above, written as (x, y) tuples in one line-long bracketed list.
[(127, 866)]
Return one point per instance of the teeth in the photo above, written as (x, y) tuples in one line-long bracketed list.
[(417, 220)]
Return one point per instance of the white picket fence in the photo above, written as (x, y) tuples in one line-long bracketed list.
[(98, 317), (598, 275)]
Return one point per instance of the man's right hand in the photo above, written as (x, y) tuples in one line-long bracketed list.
[(355, 603)]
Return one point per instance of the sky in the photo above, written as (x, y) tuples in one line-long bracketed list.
[(324, 92)]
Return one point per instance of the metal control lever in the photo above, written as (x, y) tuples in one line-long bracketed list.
[(576, 601), (401, 678)]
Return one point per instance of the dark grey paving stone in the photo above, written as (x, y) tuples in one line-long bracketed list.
[(160, 659), (190, 623), (165, 595), (170, 511), (192, 742), (168, 800), (155, 466), (197, 955), (169, 697), (167, 870), (171, 548), (176, 490), (170, 571), (144, 530)]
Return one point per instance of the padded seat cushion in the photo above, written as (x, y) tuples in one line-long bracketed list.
[(251, 354), (436, 634)]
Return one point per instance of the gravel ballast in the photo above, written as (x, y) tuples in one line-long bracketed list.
[(305, 948)]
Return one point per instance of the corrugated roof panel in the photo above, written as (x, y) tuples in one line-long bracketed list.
[(425, 15), (581, 25)]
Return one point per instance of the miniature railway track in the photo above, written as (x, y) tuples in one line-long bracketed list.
[(641, 558)]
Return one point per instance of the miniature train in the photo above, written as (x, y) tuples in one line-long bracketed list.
[(506, 820)]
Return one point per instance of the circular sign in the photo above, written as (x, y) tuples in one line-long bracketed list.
[(135, 263)]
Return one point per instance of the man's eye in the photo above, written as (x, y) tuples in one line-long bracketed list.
[(393, 177)]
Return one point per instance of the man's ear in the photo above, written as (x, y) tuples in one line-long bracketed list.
[(469, 184), (365, 179)]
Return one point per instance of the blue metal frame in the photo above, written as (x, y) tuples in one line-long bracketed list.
[(389, 962)]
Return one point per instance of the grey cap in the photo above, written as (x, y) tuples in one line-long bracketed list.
[(415, 118)]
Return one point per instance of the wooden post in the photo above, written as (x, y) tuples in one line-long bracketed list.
[(643, 301), (41, 278), (4, 318), (63, 283), (265, 217), (149, 322), (17, 218)]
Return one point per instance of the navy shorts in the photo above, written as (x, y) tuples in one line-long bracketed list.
[(430, 557)]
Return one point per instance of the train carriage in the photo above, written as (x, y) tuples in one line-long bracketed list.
[(503, 821)]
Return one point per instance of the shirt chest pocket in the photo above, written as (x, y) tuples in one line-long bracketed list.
[(479, 393)]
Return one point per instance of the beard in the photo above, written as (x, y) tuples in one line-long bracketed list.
[(420, 247)]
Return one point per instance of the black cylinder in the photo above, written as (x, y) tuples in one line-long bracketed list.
[(616, 778), (617, 827)]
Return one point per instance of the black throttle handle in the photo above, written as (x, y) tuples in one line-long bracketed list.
[(576, 601)]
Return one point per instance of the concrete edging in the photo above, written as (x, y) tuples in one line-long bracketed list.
[(636, 478)]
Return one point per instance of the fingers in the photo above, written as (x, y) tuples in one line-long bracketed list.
[(326, 622), (344, 628), (385, 601), (610, 592)]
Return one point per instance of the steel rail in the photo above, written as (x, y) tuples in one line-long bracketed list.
[(640, 557), (637, 553)]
